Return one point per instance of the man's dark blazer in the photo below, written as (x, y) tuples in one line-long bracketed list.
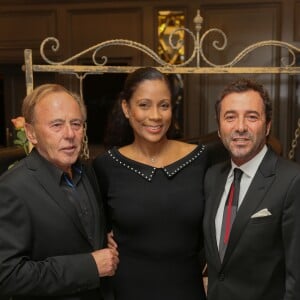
[(258, 264), (44, 250)]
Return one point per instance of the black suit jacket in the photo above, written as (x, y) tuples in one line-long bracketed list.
[(258, 264), (44, 249)]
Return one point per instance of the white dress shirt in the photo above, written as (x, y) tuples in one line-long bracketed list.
[(249, 169)]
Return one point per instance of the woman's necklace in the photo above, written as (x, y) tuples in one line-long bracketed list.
[(153, 159)]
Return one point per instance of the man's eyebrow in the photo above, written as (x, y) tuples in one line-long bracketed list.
[(246, 112), (76, 120), (56, 121), (229, 112)]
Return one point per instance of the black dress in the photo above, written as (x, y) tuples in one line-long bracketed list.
[(156, 216)]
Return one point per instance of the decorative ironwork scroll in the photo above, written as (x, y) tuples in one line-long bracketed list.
[(288, 66), (198, 54)]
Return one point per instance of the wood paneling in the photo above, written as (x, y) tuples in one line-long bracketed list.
[(297, 21), (21, 29), (105, 24)]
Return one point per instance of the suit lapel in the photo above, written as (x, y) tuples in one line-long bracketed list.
[(41, 174), (253, 198)]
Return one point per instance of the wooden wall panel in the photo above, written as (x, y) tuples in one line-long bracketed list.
[(102, 25), (297, 21), (23, 29)]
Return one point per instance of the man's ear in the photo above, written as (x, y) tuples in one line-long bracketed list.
[(268, 128), (30, 133), (125, 108)]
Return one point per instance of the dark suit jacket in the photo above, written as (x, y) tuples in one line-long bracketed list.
[(44, 249), (258, 264)]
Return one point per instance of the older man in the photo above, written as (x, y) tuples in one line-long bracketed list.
[(52, 227)]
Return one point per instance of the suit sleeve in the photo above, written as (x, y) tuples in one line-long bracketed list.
[(291, 237), (296, 248), (19, 273)]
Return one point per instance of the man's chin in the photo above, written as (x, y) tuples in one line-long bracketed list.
[(69, 159), (240, 153)]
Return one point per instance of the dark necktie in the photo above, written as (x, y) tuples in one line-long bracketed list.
[(230, 211)]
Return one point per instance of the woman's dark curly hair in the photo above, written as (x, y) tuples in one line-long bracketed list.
[(119, 132)]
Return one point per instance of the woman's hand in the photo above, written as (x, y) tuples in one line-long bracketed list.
[(110, 241)]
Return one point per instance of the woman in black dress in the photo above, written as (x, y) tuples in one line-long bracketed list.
[(153, 189)]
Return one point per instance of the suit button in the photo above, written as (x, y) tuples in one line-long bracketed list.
[(221, 276)]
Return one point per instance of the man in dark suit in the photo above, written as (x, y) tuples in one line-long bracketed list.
[(52, 227), (257, 262)]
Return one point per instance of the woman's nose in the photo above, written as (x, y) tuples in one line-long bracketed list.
[(155, 113)]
